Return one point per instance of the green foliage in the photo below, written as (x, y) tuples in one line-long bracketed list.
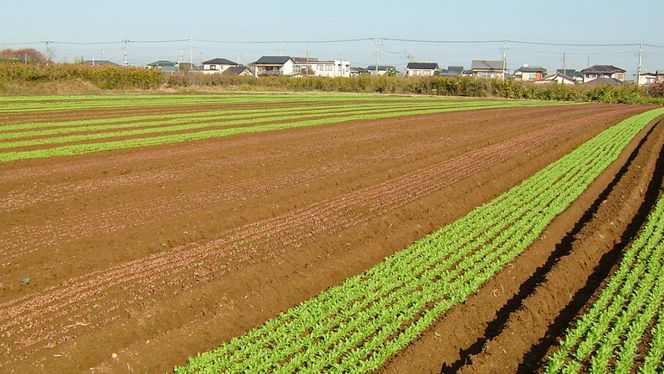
[(612, 330), (358, 325), (105, 77)]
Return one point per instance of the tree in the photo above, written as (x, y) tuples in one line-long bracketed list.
[(26, 55)]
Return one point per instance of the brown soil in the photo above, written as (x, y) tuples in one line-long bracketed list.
[(517, 316), (157, 253)]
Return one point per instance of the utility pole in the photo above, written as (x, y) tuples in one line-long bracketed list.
[(191, 54), (124, 52), (504, 59), (181, 59), (638, 68), (48, 51), (564, 63), (377, 42)]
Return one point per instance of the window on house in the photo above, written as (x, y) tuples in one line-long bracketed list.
[(213, 67)]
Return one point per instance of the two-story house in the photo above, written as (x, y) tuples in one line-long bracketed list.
[(217, 65), (603, 71), (529, 73), (488, 69)]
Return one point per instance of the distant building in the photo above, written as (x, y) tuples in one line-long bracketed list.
[(422, 69), (274, 65), (529, 73), (558, 78), (237, 71), (381, 70), (164, 65), (572, 73), (603, 71), (646, 79), (217, 65), (323, 68), (100, 63), (355, 71), (454, 71), (488, 69), (604, 81)]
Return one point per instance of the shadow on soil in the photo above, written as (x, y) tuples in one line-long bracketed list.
[(532, 360)]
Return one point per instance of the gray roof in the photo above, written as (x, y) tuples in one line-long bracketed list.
[(602, 69), (273, 60), (162, 63), (235, 70), (422, 65), (380, 67), (453, 71), (604, 82), (100, 63), (531, 69), (570, 72), (487, 65), (219, 61)]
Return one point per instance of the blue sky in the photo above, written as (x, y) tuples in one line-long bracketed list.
[(563, 21)]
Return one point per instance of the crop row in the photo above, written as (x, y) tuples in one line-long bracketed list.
[(218, 125), (609, 335), (356, 326), (40, 104)]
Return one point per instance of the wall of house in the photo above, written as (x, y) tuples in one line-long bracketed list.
[(207, 68), (420, 72), (488, 74), (591, 77)]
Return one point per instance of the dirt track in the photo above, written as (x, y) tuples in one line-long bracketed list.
[(175, 249)]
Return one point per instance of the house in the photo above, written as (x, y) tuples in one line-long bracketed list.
[(488, 69), (422, 69), (322, 68), (355, 71), (604, 81), (454, 71), (529, 73), (274, 65), (603, 71), (646, 79), (237, 71), (217, 65), (164, 65), (382, 70), (94, 62), (572, 73), (558, 78)]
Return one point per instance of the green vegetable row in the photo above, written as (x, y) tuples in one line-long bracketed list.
[(607, 337), (356, 326), (157, 133)]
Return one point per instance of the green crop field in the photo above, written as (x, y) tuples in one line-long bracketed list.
[(359, 324), (234, 115)]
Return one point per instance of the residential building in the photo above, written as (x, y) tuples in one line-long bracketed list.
[(603, 71), (164, 65), (604, 81), (454, 71), (488, 69), (422, 69), (529, 73), (274, 65), (217, 65), (558, 78), (572, 73), (355, 71), (646, 79), (94, 62), (237, 71), (382, 70), (323, 68)]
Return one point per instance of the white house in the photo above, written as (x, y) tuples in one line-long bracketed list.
[(529, 73), (381, 70), (603, 71), (558, 78), (646, 79), (217, 65), (274, 65), (321, 68), (422, 69), (488, 69)]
